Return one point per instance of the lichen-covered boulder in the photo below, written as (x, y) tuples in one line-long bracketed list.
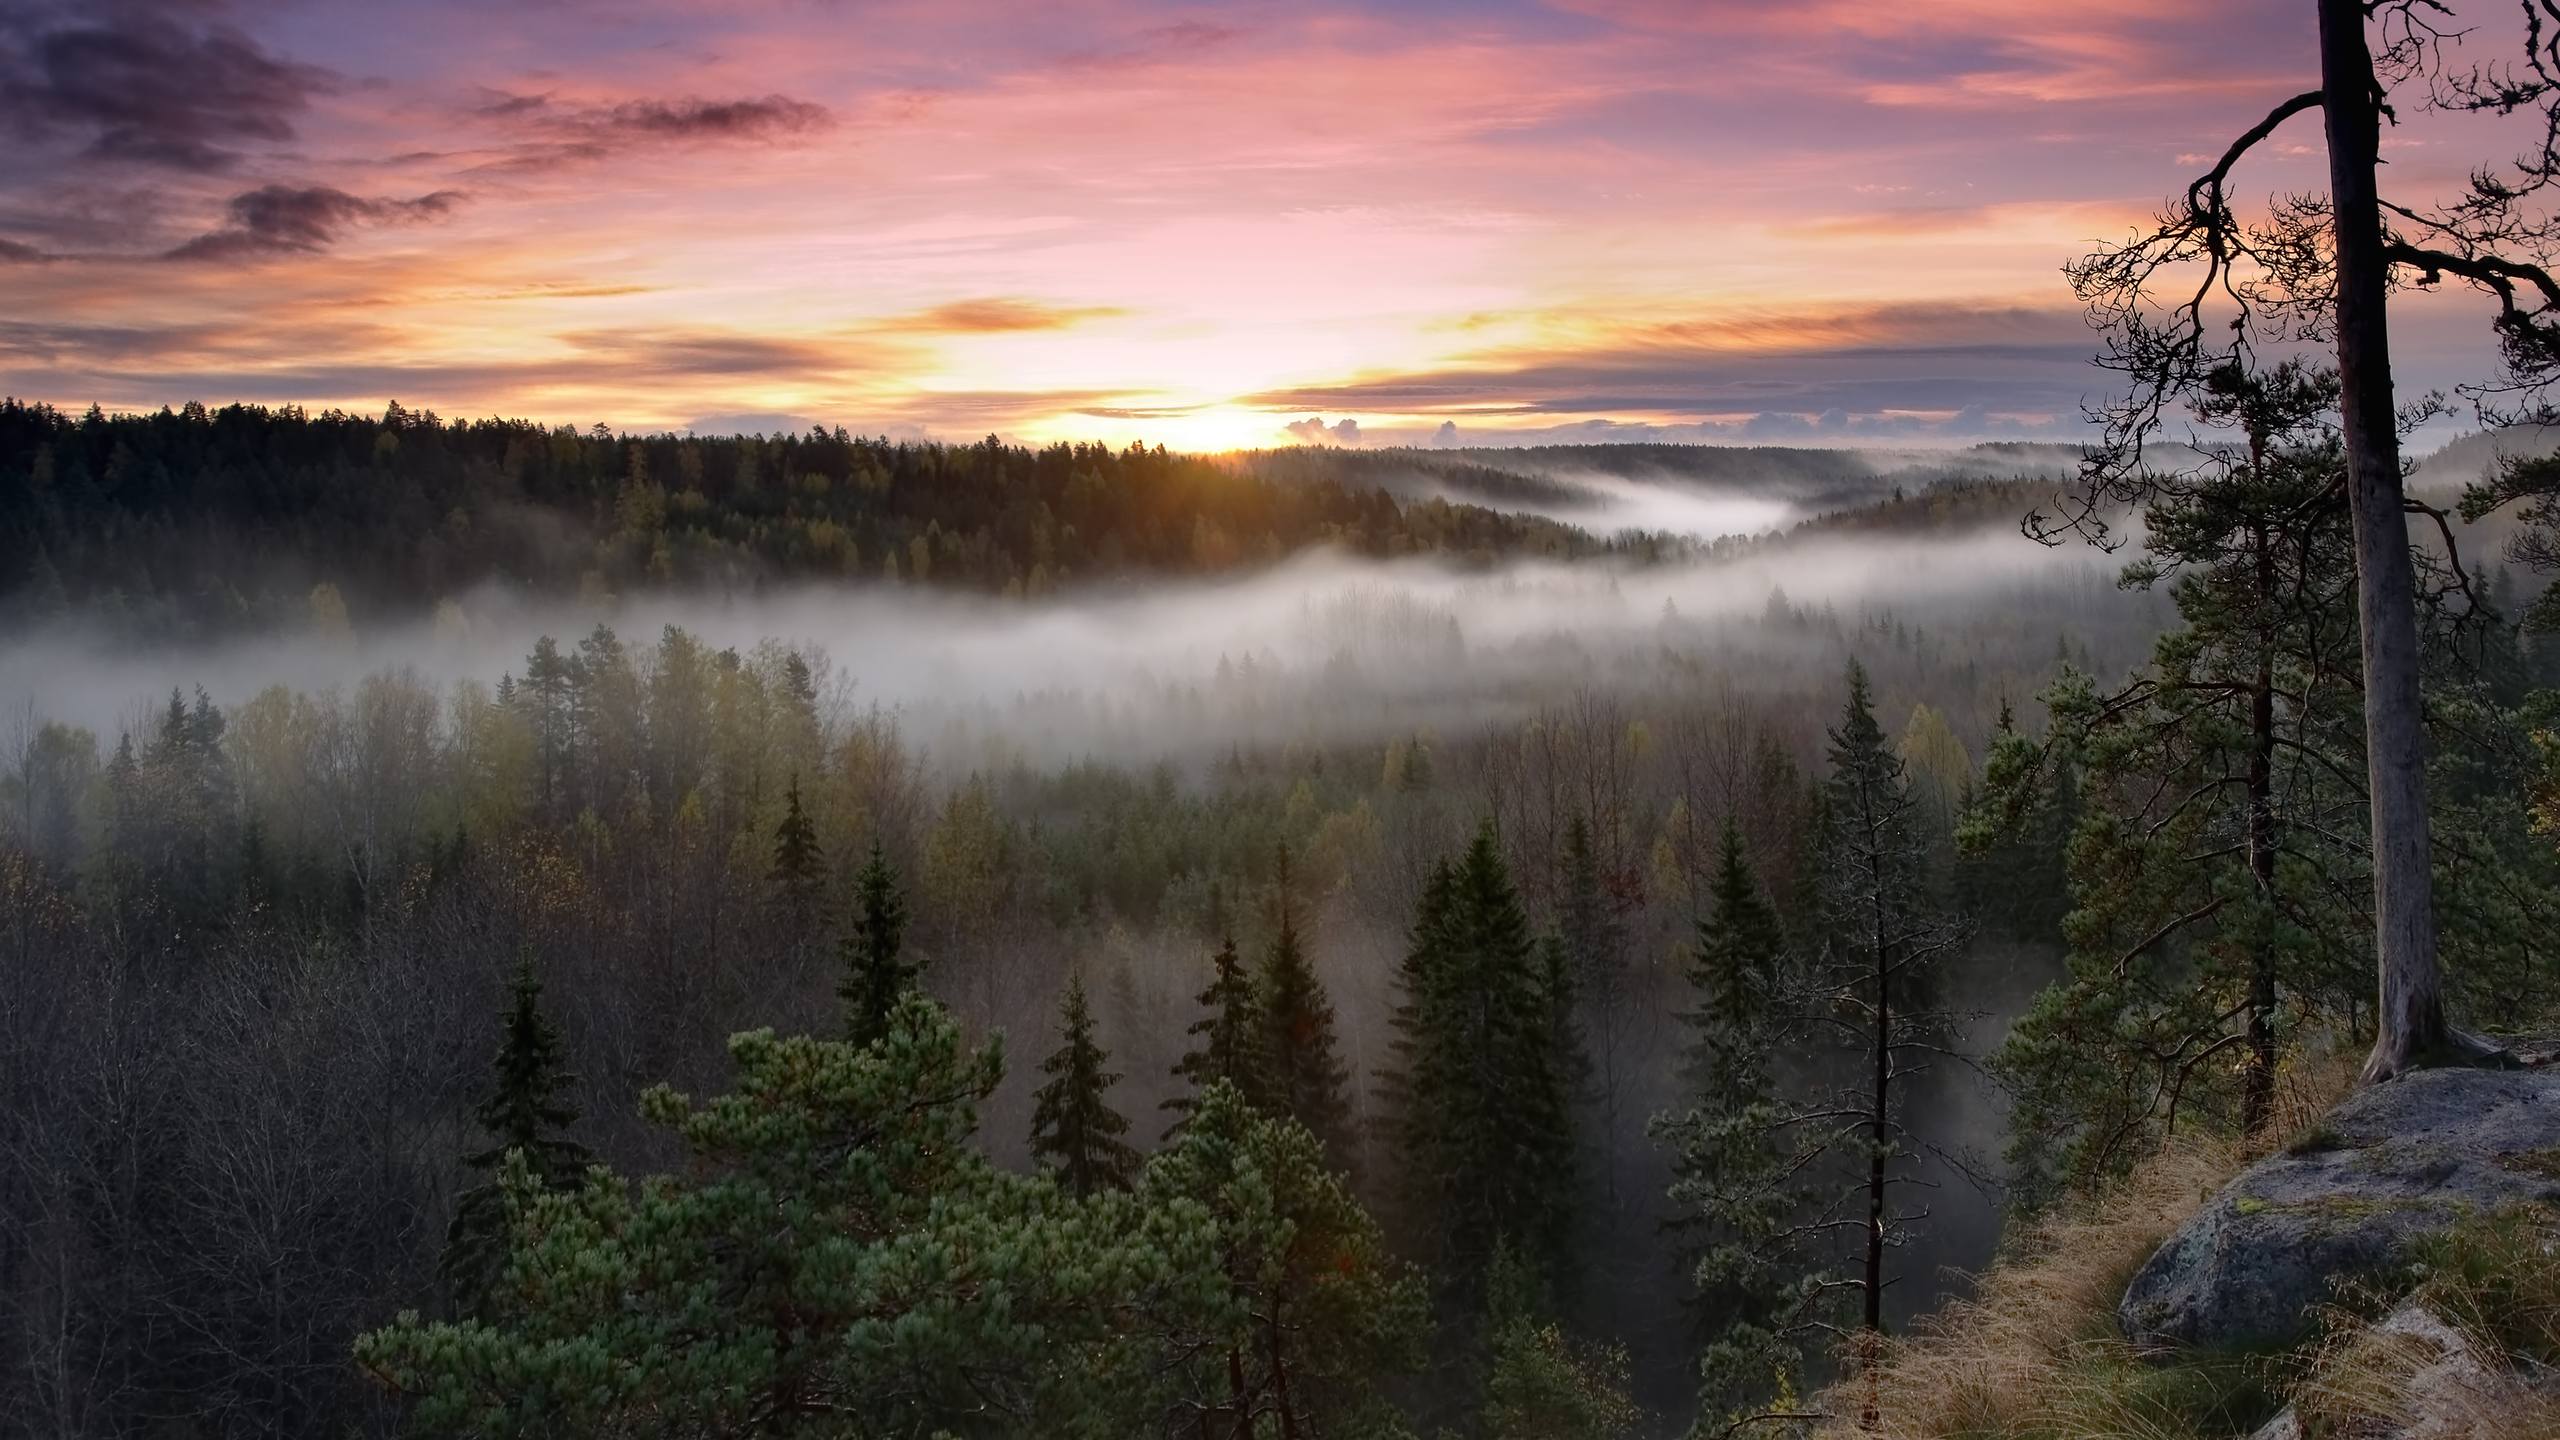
[(2349, 1198)]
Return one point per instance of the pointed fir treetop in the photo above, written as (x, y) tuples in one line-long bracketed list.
[(523, 1110), (1419, 975), (1417, 764), (797, 680), (1302, 1072), (796, 854), (1586, 921), (1074, 1130), (1484, 903), (1741, 947), (874, 974), (1559, 993), (1482, 1117), (524, 1116), (1227, 1037), (1869, 792), (1858, 741)]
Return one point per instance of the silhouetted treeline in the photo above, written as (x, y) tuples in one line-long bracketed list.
[(194, 520)]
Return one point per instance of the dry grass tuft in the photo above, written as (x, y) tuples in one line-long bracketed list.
[(2406, 1387), (2490, 1307), (2306, 1091)]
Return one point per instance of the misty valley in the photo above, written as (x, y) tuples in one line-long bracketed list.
[(1097, 942)]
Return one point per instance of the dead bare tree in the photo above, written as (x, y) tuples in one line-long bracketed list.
[(2207, 290)]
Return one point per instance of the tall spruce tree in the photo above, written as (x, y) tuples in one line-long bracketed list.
[(1591, 982), (1734, 1150), (1301, 1071), (173, 823), (875, 974), (1485, 1130), (1737, 972), (544, 701), (1881, 934), (798, 859), (1397, 1118), (524, 1116), (1074, 1131), (1226, 1039)]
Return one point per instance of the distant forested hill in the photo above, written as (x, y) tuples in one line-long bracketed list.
[(195, 520), (1950, 504), (1812, 479), (1546, 474), (2466, 459)]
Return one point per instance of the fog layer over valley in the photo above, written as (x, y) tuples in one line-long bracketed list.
[(1320, 646)]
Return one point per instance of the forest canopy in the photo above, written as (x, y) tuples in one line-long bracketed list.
[(195, 521)]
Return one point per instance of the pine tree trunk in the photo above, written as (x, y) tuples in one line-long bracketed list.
[(2257, 1099), (2410, 1027), (1879, 1124), (1243, 1402), (1280, 1381)]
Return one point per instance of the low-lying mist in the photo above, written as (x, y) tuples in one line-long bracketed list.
[(1318, 647), (1609, 504)]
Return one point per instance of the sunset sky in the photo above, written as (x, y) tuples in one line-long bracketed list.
[(1118, 219)]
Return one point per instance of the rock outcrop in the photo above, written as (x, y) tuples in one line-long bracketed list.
[(2349, 1198)]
